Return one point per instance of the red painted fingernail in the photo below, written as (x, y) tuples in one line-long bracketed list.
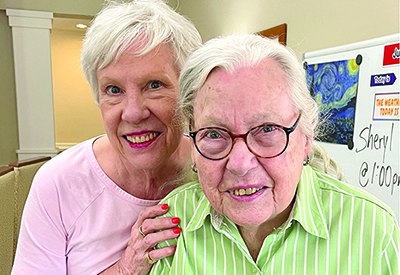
[(175, 220), (177, 230), (164, 206), (175, 248)]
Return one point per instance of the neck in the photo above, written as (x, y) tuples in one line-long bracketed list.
[(151, 184), (254, 236)]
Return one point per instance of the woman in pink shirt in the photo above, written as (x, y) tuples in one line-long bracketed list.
[(90, 209)]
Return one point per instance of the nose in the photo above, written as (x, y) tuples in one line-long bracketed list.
[(240, 160), (135, 108)]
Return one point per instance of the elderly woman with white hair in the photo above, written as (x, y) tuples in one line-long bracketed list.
[(91, 208), (263, 203)]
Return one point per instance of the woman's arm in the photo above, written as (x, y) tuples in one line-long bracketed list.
[(42, 238)]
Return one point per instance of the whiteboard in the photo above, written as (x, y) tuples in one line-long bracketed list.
[(371, 159)]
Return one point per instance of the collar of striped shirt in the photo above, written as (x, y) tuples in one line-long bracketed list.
[(307, 210)]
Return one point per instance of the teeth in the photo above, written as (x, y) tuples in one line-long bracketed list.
[(141, 139), (242, 192)]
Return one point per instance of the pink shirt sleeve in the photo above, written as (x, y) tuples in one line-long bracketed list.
[(41, 253), (76, 220)]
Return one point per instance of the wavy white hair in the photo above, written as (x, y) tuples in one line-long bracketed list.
[(143, 23), (235, 51)]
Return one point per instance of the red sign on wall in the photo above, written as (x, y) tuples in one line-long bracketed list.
[(391, 54)]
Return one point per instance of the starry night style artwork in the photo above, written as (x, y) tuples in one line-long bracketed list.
[(334, 87)]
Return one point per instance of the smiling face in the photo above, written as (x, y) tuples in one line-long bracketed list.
[(138, 98), (238, 101)]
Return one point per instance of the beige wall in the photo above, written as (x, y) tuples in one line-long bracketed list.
[(77, 117), (8, 108), (312, 25), (81, 7)]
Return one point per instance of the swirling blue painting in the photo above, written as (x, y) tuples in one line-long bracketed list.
[(334, 87)]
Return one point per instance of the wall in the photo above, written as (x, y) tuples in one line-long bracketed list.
[(312, 25), (77, 117), (81, 7), (8, 110), (8, 113)]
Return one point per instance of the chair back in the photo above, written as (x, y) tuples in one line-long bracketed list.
[(7, 179), (25, 170)]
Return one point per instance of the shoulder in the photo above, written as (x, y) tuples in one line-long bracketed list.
[(70, 179), (350, 209), (68, 159), (189, 193), (77, 161), (348, 193), (188, 188), (185, 201)]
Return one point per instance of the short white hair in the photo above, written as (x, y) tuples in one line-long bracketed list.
[(143, 23)]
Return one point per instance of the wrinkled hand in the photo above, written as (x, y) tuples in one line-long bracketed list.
[(134, 260)]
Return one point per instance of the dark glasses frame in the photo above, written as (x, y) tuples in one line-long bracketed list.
[(287, 130)]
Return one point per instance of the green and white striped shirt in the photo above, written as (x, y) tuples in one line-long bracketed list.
[(334, 228)]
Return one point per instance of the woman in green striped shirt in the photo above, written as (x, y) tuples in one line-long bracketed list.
[(263, 204)]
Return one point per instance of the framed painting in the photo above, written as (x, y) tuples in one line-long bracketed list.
[(278, 32)]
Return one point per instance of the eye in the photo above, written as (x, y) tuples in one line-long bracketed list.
[(267, 128), (213, 134), (114, 90), (154, 84)]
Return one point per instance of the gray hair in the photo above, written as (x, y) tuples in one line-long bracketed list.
[(234, 51), (144, 23), (244, 50)]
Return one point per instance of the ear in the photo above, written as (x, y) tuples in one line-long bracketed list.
[(193, 153), (308, 146)]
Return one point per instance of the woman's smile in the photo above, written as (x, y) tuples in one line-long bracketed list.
[(141, 140), (248, 194), (245, 191)]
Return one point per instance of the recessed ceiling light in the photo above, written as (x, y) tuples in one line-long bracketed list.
[(81, 26)]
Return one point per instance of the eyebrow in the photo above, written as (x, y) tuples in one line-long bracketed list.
[(265, 118), (213, 122), (253, 121)]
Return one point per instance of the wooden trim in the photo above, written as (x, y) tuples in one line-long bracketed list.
[(30, 161), (5, 169), (279, 31)]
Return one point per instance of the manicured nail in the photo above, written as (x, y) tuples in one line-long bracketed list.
[(164, 206), (177, 230), (175, 220), (175, 248)]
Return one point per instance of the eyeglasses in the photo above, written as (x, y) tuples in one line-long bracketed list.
[(264, 141)]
